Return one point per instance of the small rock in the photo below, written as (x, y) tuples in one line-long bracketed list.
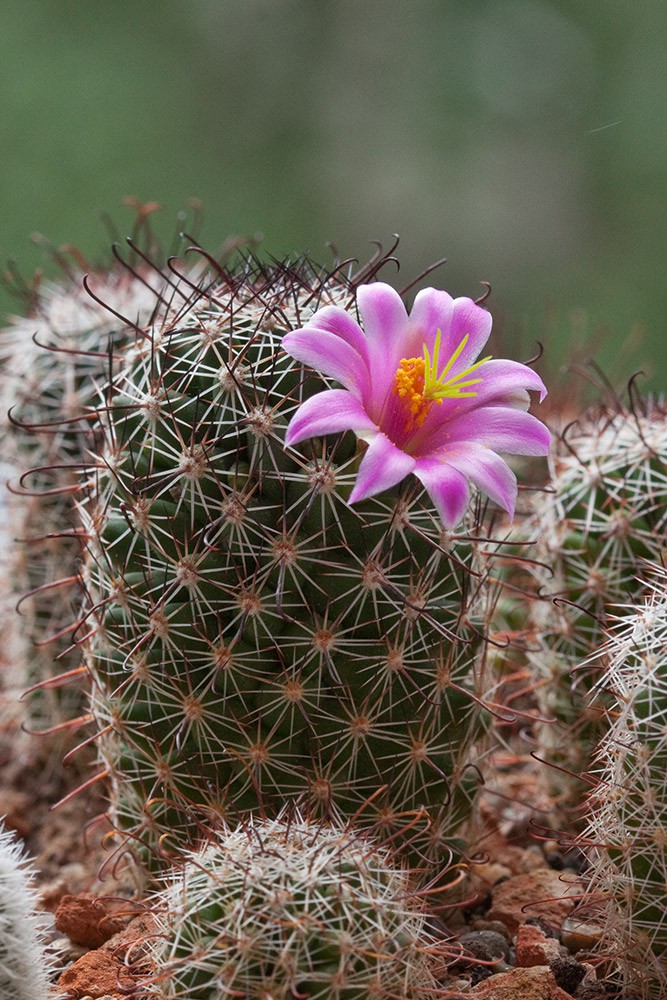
[(578, 934), (596, 991), (487, 873), (131, 939), (537, 983), (541, 893), (96, 974), (568, 858), (88, 920), (568, 973), (113, 971), (485, 945), (492, 925), (533, 947), (590, 975)]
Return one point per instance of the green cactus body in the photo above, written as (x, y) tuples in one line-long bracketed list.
[(251, 637), (607, 511), (627, 812), (52, 364), (290, 908)]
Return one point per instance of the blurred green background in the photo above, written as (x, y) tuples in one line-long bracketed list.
[(526, 140)]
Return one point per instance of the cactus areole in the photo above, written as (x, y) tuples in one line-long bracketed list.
[(252, 637)]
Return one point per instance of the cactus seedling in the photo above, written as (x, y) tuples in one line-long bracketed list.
[(288, 908)]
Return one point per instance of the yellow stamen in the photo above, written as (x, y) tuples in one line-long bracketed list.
[(435, 386), (417, 381)]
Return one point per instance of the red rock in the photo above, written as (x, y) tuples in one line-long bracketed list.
[(88, 920), (116, 969), (541, 893), (533, 947), (537, 983), (96, 974)]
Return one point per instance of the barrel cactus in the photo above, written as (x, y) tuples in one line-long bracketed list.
[(253, 636), (284, 908), (626, 833), (25, 964)]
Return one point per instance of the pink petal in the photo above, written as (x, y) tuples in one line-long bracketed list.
[(327, 353), (487, 471), (502, 378), (328, 412), (467, 318), (387, 331), (432, 311), (499, 428), (504, 384), (446, 486), (335, 320), (382, 466)]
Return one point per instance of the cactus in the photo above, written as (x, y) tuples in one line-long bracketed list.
[(627, 810), (52, 361), (287, 908), (257, 638), (25, 965), (251, 637), (606, 511)]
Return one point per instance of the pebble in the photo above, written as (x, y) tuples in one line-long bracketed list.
[(568, 973), (88, 920), (486, 945), (578, 934), (96, 974), (541, 893), (537, 983), (492, 925), (533, 947)]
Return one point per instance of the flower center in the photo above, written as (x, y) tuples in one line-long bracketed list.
[(418, 383)]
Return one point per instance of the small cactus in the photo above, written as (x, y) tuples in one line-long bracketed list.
[(288, 908), (52, 362), (25, 965), (606, 510), (627, 810)]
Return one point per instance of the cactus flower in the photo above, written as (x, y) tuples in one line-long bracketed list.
[(416, 390)]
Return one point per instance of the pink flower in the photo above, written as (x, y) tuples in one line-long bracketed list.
[(415, 391)]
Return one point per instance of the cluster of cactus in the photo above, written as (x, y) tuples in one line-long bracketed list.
[(289, 908), (627, 810), (604, 512), (256, 645), (25, 964), (251, 638)]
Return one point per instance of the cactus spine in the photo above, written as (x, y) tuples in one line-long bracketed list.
[(627, 811), (25, 966), (285, 908), (251, 637)]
